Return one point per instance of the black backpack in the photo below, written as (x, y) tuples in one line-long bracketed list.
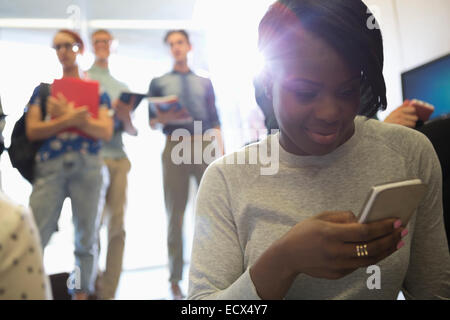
[(22, 152), (2, 117)]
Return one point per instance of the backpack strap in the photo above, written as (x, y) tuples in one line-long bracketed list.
[(44, 92)]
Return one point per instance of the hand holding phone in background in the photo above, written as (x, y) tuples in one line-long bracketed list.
[(410, 112), (423, 109)]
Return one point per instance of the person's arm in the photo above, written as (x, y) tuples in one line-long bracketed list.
[(100, 128), (154, 124), (37, 129), (123, 114), (323, 246), (217, 261), (158, 119), (128, 126), (404, 115), (428, 275), (153, 91)]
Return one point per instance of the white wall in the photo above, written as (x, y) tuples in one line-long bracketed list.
[(414, 32), (424, 28)]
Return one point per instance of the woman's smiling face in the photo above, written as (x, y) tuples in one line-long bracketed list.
[(315, 95)]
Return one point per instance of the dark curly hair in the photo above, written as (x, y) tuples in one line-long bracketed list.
[(343, 24)]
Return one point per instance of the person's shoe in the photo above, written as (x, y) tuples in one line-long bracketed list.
[(80, 296), (93, 296), (98, 285), (175, 292)]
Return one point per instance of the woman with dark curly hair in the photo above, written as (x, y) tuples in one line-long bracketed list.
[(293, 234)]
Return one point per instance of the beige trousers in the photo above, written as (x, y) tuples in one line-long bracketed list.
[(176, 190), (113, 218)]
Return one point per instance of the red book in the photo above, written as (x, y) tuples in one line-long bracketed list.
[(80, 92)]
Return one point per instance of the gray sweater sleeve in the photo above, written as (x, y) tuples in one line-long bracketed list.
[(217, 262), (428, 275)]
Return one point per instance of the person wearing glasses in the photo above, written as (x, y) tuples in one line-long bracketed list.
[(293, 233), (69, 165), (117, 163)]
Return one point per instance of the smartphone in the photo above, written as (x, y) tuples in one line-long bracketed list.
[(393, 200)]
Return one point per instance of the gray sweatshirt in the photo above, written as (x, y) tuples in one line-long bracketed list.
[(241, 210)]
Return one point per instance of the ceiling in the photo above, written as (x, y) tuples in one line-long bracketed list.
[(141, 42), (99, 9)]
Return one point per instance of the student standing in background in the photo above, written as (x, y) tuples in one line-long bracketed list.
[(68, 164), (196, 96), (117, 163)]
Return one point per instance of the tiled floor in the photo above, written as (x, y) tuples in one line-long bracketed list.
[(145, 272), (148, 284)]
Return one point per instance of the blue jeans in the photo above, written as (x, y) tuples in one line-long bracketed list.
[(80, 178)]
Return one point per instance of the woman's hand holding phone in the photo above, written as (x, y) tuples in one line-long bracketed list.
[(324, 246)]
